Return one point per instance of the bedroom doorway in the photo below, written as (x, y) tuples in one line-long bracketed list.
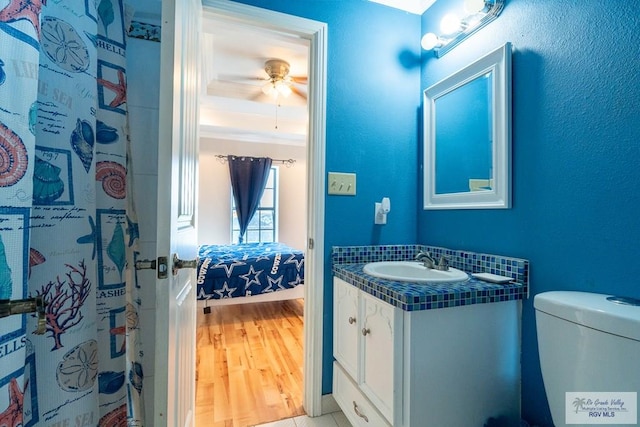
[(314, 35)]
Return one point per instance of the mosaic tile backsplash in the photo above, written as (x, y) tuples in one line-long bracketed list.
[(348, 262)]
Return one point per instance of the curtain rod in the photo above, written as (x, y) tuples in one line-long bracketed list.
[(287, 162)]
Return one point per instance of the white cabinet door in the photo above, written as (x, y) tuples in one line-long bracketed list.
[(345, 326), (381, 356)]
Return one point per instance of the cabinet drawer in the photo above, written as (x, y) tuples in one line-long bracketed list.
[(356, 407)]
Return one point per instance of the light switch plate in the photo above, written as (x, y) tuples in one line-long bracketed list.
[(342, 184)]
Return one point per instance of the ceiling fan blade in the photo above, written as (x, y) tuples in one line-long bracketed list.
[(298, 92), (299, 79), (240, 78)]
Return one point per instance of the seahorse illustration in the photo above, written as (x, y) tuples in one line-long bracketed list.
[(6, 284)]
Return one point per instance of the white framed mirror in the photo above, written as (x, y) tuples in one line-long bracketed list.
[(467, 136)]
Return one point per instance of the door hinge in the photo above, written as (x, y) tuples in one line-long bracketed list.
[(310, 243)]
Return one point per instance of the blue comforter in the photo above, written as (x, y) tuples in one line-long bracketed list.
[(227, 271)]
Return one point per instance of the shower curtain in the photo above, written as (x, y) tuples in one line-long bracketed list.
[(68, 231)]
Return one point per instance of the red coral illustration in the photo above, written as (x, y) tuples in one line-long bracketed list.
[(12, 416), (64, 299)]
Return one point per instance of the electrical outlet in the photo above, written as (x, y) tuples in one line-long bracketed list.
[(342, 184)]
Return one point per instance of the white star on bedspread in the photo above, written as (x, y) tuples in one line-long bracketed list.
[(251, 277), (296, 282), (261, 257), (225, 289), (228, 268), (292, 260), (277, 282), (203, 295)]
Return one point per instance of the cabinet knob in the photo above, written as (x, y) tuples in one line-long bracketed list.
[(366, 331), (352, 320), (358, 413)]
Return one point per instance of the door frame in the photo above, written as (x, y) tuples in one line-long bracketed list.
[(316, 33)]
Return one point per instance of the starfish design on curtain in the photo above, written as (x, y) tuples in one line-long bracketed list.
[(23, 9), (120, 89), (12, 416)]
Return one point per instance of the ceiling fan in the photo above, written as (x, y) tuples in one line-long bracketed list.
[(279, 81)]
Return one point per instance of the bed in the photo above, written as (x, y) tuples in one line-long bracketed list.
[(250, 272)]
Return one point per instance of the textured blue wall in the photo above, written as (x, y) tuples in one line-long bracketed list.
[(373, 99), (576, 156)]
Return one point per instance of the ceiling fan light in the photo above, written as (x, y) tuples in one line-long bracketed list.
[(283, 89), (269, 89)]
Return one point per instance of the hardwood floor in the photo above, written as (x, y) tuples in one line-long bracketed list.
[(249, 364)]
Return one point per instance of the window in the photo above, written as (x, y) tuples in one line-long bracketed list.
[(262, 227)]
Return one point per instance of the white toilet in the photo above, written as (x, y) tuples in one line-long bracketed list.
[(587, 343)]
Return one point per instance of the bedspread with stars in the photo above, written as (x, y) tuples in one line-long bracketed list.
[(228, 271)]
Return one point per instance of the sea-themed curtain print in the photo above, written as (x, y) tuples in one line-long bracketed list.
[(68, 231), (249, 176)]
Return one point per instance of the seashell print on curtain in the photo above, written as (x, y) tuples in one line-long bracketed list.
[(68, 229)]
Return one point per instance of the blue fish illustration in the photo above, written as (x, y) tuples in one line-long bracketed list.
[(89, 238), (82, 141), (116, 249), (136, 376), (3, 75), (106, 134), (33, 117), (6, 284), (109, 382), (133, 230)]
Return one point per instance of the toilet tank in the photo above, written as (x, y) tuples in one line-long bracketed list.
[(586, 344)]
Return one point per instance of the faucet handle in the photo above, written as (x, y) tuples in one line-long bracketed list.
[(443, 263)]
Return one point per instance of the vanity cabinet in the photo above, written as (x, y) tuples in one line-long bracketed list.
[(366, 332), (446, 367)]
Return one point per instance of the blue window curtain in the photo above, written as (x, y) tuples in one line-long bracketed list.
[(248, 178)]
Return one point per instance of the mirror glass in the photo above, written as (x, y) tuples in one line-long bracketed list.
[(467, 136)]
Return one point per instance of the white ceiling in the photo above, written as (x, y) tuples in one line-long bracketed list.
[(233, 104), (413, 6), (233, 107)]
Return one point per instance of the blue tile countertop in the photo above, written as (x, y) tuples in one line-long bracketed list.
[(348, 263)]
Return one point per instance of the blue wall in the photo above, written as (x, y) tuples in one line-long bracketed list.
[(576, 145), (576, 156), (373, 99)]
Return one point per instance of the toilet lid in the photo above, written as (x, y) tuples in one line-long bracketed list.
[(591, 310)]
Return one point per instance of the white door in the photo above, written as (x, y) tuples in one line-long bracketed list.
[(174, 387)]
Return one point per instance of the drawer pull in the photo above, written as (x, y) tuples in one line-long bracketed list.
[(352, 320), (366, 331), (358, 413)]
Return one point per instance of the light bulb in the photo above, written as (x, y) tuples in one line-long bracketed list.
[(269, 89), (450, 23), (283, 88), (473, 6), (429, 41)]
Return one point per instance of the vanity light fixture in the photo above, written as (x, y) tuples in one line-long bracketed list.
[(455, 29)]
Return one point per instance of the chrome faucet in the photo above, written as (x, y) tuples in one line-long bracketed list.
[(427, 260)]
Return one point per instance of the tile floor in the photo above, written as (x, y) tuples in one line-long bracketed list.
[(336, 419)]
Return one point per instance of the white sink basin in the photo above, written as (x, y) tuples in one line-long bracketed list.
[(413, 271)]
